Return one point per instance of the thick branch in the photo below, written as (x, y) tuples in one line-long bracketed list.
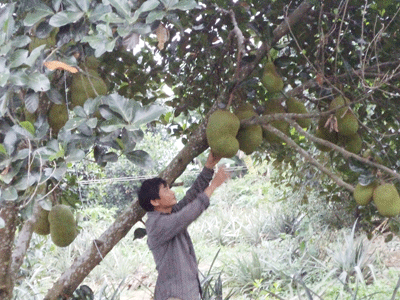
[(308, 157), (8, 212)]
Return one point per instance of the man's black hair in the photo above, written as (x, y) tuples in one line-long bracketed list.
[(150, 191)]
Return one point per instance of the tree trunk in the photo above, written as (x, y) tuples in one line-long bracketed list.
[(9, 213)]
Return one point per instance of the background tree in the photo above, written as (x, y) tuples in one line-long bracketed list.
[(79, 78)]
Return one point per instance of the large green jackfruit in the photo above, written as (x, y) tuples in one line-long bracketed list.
[(339, 101), (387, 200), (271, 79), (273, 106), (221, 131), (325, 133), (297, 107), (363, 193), (347, 123), (352, 143), (249, 137), (50, 41), (62, 225), (42, 224), (84, 87), (57, 116)]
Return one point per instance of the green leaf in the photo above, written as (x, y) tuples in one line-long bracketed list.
[(24, 182), (41, 11), (83, 4), (185, 5), (18, 58), (146, 6), (10, 194), (4, 72), (140, 158), (98, 13), (34, 55), (32, 102), (38, 82), (155, 15), (65, 17), (57, 173), (2, 149), (92, 123), (122, 106), (122, 7), (20, 41), (28, 126), (74, 123), (145, 115), (169, 3), (110, 157), (75, 155)]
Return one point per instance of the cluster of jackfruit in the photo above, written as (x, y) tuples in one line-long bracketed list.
[(225, 136), (89, 85), (273, 106), (344, 133), (59, 222), (385, 196)]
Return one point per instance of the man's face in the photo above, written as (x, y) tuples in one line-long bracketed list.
[(167, 199)]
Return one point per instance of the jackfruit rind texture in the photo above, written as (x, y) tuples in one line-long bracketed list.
[(82, 89), (387, 200), (57, 116), (221, 131), (338, 102), (273, 106), (271, 79), (62, 225), (42, 225), (352, 143), (363, 193), (249, 137), (348, 124), (297, 107)]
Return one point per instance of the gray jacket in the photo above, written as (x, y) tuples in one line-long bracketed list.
[(172, 248)]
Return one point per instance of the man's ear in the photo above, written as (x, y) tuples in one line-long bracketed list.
[(154, 202)]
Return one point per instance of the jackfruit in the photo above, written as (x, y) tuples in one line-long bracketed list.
[(273, 106), (62, 225), (271, 79), (320, 133), (363, 193), (338, 102), (249, 137), (352, 143), (297, 107), (387, 200), (82, 89), (50, 41), (348, 124), (42, 225), (57, 117), (221, 131)]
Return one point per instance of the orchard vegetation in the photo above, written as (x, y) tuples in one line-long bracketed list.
[(81, 79)]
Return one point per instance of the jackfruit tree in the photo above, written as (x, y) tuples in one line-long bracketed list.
[(80, 79)]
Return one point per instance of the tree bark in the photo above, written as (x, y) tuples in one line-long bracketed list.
[(9, 213), (99, 248)]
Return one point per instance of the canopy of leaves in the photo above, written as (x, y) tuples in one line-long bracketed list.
[(205, 52)]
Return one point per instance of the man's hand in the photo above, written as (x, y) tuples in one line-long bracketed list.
[(220, 177), (212, 161)]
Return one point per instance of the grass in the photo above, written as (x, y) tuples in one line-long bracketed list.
[(266, 249)]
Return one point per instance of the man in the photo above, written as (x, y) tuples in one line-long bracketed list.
[(167, 235)]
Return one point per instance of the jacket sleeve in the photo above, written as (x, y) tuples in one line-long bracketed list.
[(166, 226), (199, 185)]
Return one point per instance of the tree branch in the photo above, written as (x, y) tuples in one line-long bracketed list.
[(307, 156)]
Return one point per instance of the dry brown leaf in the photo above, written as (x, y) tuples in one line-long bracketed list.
[(162, 35), (58, 65)]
